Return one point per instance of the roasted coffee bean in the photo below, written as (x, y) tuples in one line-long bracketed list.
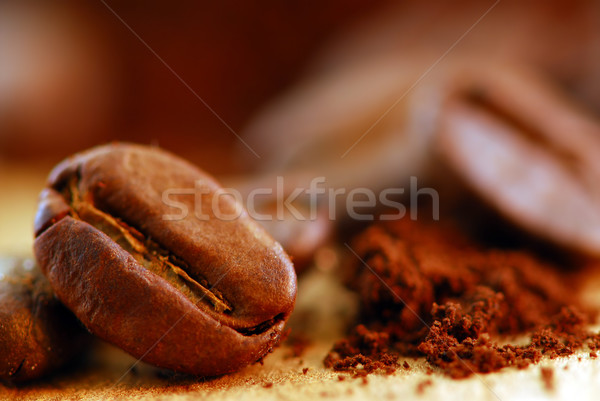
[(519, 143), (37, 333), (136, 243)]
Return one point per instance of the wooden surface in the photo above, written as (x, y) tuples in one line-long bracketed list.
[(323, 310)]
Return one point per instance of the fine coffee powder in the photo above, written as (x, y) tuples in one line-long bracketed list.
[(426, 290)]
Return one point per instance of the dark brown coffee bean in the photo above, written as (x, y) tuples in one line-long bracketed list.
[(522, 146), (131, 240), (37, 333)]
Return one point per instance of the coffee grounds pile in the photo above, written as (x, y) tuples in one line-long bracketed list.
[(426, 290), (366, 348)]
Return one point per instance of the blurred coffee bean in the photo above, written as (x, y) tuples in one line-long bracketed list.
[(38, 334)]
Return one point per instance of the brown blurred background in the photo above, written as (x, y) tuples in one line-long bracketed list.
[(72, 75), (190, 75)]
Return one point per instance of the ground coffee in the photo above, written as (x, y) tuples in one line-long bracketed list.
[(427, 290)]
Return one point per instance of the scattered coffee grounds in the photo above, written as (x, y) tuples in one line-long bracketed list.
[(423, 385), (427, 290), (363, 348), (547, 378)]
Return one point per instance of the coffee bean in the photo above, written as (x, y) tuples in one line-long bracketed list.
[(190, 292), (519, 143), (37, 333)]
